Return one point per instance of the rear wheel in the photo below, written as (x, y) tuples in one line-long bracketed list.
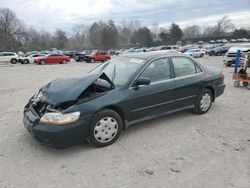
[(105, 128), (26, 61), (204, 102), (13, 61)]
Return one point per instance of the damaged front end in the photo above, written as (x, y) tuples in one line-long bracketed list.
[(50, 107), (61, 94)]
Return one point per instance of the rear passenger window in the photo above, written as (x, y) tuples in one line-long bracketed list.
[(184, 66)]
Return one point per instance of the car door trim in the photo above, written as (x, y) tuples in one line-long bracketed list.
[(151, 106), (163, 103)]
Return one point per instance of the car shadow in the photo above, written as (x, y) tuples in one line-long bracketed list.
[(157, 121)]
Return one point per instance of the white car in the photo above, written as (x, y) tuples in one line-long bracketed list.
[(195, 52), (9, 57), (29, 58)]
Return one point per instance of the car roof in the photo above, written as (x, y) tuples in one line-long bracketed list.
[(151, 55)]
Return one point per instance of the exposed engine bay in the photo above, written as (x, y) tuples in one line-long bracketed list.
[(41, 105)]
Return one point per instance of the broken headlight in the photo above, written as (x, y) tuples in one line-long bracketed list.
[(58, 118)]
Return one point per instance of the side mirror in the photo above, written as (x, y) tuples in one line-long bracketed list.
[(142, 81)]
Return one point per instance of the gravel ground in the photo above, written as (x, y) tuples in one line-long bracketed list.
[(179, 150)]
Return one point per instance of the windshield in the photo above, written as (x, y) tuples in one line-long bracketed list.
[(120, 69)]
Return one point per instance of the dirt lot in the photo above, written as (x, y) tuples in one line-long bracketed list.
[(179, 150)]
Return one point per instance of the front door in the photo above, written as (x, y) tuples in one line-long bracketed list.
[(156, 98)]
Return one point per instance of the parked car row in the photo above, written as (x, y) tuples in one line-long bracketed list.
[(227, 41)]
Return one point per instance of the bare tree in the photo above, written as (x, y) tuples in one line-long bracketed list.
[(11, 29), (60, 39), (223, 25), (192, 31), (79, 40)]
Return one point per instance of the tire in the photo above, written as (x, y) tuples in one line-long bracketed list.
[(13, 61), (201, 55), (80, 60), (100, 129), (92, 60), (236, 83), (245, 84), (26, 61), (64, 62), (42, 62), (204, 102)]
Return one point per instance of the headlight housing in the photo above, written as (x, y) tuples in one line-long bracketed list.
[(58, 118)]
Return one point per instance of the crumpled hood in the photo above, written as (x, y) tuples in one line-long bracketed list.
[(68, 88)]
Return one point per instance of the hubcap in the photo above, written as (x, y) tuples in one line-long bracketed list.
[(106, 129), (205, 101)]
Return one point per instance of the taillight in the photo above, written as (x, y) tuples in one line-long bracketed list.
[(222, 76)]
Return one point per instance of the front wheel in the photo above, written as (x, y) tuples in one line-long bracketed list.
[(236, 83), (105, 128), (92, 60), (42, 62), (203, 102)]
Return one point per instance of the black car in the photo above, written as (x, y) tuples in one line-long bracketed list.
[(78, 56), (217, 51), (125, 90)]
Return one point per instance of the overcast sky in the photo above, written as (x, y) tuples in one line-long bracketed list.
[(63, 14)]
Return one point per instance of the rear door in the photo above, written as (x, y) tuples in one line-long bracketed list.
[(188, 81), (156, 98), (6, 56)]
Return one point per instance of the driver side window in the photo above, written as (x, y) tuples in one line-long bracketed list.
[(158, 70)]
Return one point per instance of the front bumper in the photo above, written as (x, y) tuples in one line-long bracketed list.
[(56, 135)]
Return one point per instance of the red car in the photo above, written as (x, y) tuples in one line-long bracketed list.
[(98, 55), (52, 59)]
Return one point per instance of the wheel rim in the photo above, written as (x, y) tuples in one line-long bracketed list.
[(205, 101), (106, 129), (92, 60), (42, 62), (64, 62), (14, 61)]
